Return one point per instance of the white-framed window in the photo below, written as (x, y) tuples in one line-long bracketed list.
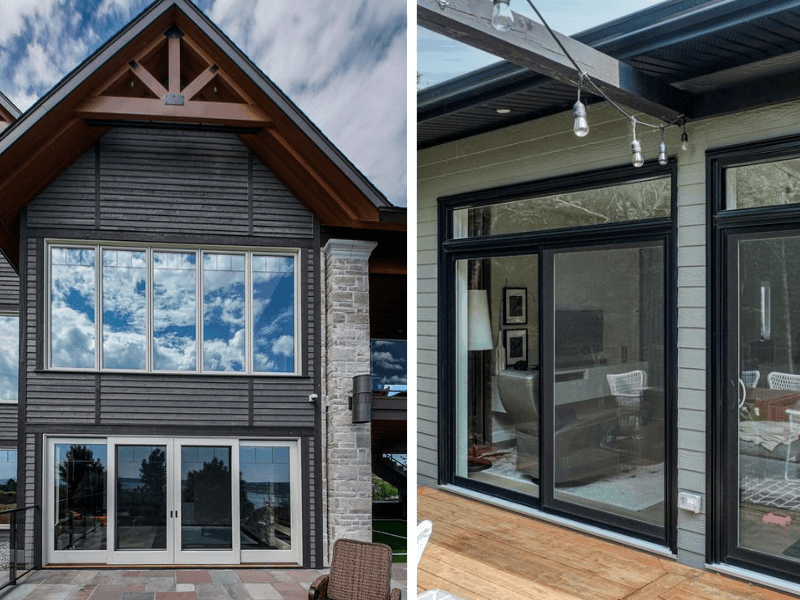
[(172, 309), (9, 358)]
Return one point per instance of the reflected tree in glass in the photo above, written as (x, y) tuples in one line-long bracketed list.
[(81, 506), (207, 516), (265, 498)]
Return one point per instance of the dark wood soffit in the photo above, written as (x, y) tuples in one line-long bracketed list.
[(530, 45), (388, 266)]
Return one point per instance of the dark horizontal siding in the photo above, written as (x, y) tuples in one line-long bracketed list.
[(70, 200), (9, 286), (60, 397), (276, 213), (8, 424), (161, 399)]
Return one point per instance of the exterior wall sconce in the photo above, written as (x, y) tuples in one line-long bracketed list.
[(361, 400)]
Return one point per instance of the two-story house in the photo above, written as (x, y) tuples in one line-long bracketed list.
[(195, 265)]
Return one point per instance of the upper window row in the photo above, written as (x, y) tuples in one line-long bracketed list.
[(171, 310)]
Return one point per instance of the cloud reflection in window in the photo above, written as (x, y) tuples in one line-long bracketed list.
[(174, 311), (273, 314), (72, 308), (223, 312)]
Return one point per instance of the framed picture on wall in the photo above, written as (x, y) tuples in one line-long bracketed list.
[(515, 304), (516, 346)]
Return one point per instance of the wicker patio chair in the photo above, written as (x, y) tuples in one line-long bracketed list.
[(359, 571), (783, 381)]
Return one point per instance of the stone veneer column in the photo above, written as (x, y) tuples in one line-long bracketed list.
[(349, 457)]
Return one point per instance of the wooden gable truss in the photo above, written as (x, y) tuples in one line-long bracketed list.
[(172, 65)]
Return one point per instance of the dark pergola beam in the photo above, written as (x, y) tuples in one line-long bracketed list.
[(530, 45)]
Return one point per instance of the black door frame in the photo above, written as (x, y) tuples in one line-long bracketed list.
[(723, 228), (536, 242)]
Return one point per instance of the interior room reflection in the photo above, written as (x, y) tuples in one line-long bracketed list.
[(608, 379), (768, 396)]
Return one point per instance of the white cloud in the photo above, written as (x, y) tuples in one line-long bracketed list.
[(284, 345)]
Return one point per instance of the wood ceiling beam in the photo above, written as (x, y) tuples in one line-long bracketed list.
[(530, 45), (174, 46), (148, 109)]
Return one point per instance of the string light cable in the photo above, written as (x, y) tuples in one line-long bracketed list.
[(581, 126)]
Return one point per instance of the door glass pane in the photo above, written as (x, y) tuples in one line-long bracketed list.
[(273, 314), (609, 380), (124, 309), (264, 498), (223, 312), (497, 372), (141, 498), (80, 496), (8, 482), (767, 395), (632, 201), (174, 311), (72, 307), (206, 507)]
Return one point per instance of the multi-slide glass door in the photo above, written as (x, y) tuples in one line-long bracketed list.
[(560, 381), (173, 501)]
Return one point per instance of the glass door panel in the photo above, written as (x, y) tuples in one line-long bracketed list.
[(497, 372), (209, 502), (269, 502), (608, 397), (763, 398), (141, 498)]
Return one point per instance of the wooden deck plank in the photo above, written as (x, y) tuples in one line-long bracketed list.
[(481, 552)]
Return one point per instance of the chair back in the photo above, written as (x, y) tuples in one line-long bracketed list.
[(750, 378), (632, 382), (360, 571), (783, 381)]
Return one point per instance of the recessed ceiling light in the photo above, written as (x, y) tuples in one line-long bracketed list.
[(502, 111)]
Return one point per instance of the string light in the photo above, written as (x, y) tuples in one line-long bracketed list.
[(684, 138), (662, 149), (581, 126), (636, 148), (502, 17)]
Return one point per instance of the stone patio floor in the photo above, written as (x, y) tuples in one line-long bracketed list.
[(200, 584)]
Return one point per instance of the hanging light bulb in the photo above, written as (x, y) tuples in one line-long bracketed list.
[(684, 138), (581, 126), (502, 17), (662, 150), (636, 148)]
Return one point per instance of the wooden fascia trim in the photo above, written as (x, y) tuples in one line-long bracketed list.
[(147, 109), (530, 45)]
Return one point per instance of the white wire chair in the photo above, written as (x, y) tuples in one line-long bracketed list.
[(750, 378), (783, 381), (628, 388)]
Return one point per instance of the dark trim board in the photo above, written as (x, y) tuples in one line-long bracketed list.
[(544, 244)]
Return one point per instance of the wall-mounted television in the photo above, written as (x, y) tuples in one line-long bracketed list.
[(579, 337)]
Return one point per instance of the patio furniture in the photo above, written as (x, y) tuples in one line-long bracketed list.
[(783, 381), (750, 378), (359, 571), (424, 530)]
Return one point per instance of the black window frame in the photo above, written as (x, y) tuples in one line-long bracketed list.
[(539, 242), (722, 225)]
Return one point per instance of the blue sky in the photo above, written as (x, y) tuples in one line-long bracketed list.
[(343, 63), (440, 58)]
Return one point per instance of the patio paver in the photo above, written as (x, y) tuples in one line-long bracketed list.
[(190, 584)]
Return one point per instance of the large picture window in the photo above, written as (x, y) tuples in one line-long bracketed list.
[(172, 310)]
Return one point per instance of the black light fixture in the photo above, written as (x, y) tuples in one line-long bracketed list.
[(361, 400)]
